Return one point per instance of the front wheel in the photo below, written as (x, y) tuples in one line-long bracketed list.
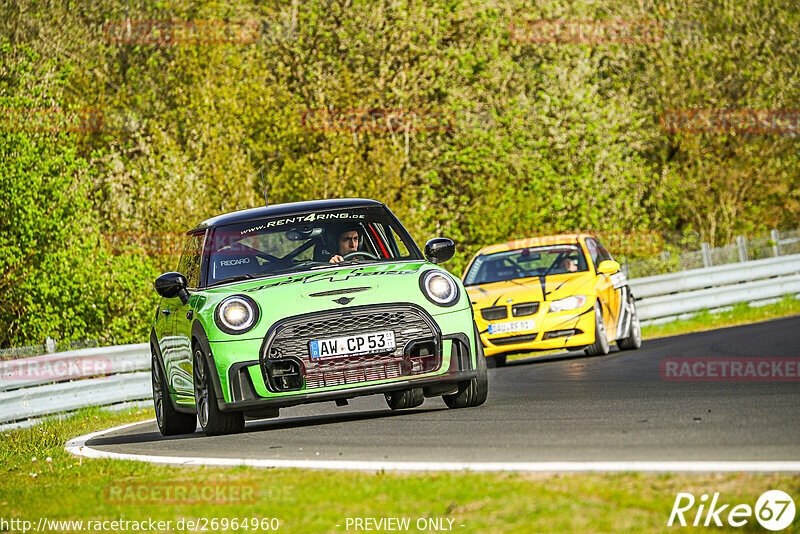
[(471, 392), (408, 398), (600, 346), (213, 421), (170, 421), (634, 339)]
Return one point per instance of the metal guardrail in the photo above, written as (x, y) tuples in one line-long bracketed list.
[(68, 383), (43, 400), (24, 395), (731, 273), (74, 364), (715, 297), (674, 294)]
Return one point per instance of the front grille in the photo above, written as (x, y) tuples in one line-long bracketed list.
[(511, 340), (494, 313), (291, 337), (524, 309)]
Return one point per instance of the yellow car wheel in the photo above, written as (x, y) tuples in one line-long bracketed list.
[(634, 339), (600, 347)]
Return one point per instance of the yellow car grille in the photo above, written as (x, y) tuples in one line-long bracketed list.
[(495, 313), (524, 309)]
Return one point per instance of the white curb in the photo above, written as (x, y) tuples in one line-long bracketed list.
[(77, 446)]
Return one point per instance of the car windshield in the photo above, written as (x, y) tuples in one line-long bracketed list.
[(526, 262), (292, 243)]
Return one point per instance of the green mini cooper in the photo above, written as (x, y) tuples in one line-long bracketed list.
[(308, 302)]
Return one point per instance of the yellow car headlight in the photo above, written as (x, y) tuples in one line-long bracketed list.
[(569, 303)]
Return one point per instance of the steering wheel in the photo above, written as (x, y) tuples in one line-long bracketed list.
[(351, 255)]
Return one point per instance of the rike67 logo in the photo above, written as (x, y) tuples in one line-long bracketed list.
[(774, 510)]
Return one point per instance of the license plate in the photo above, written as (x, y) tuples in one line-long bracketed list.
[(512, 326), (356, 345)]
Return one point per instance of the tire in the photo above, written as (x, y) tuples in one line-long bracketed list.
[(213, 421), (600, 347), (171, 422), (408, 398), (634, 339), (471, 392)]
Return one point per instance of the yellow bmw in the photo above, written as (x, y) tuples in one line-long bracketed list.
[(547, 293)]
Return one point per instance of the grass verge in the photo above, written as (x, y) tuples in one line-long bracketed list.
[(322, 501), (741, 313)]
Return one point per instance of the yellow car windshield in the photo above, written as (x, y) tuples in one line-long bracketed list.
[(525, 263)]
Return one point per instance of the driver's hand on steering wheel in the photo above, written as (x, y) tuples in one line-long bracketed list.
[(336, 259)]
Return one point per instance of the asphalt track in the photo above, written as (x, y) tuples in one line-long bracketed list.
[(564, 408)]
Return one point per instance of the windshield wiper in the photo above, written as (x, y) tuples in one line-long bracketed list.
[(232, 279), (323, 265)]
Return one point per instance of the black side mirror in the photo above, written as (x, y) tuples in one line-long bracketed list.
[(171, 285), (439, 249)]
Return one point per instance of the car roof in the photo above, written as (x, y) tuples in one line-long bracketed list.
[(289, 208), (560, 239)]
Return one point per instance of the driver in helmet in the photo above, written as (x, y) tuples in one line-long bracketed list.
[(347, 242), (569, 264)]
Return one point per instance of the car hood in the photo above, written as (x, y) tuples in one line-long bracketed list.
[(556, 286), (329, 289)]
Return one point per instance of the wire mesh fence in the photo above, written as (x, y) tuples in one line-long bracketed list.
[(776, 243)]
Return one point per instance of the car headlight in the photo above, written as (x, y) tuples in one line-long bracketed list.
[(568, 303), (439, 288), (236, 314)]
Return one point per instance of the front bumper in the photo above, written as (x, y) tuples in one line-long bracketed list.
[(246, 399), (564, 330), (434, 353)]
